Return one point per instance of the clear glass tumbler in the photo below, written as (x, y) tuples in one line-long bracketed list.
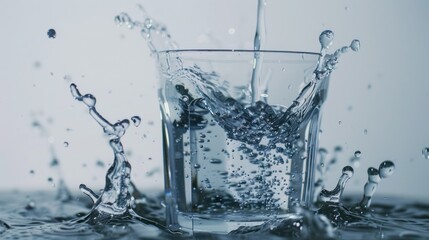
[(240, 134)]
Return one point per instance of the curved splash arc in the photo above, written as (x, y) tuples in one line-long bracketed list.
[(115, 202)]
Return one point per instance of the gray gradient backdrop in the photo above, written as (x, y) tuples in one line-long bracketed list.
[(384, 88)]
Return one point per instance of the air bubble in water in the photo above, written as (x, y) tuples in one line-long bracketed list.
[(136, 120), (386, 169), (358, 154), (215, 161), (355, 45), (425, 152), (326, 38), (52, 33)]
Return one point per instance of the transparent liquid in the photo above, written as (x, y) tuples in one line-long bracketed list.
[(389, 218), (250, 170)]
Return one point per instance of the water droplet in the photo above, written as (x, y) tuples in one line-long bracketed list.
[(326, 38), (136, 120), (338, 149), (358, 154), (425, 152), (348, 171), (386, 169), (54, 162), (340, 122), (99, 163), (196, 165), (231, 31), (355, 45), (365, 131), (50, 179), (52, 33), (66, 144), (31, 171)]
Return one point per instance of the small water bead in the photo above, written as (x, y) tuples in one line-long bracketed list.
[(326, 38), (355, 45), (197, 166), (386, 169), (338, 149), (66, 144), (54, 162), (358, 154), (347, 170), (425, 152), (52, 33), (99, 163), (136, 120)]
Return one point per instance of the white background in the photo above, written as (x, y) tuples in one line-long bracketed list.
[(384, 88)]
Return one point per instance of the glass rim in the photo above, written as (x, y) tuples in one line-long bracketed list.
[(237, 51)]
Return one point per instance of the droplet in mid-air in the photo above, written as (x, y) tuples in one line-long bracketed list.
[(358, 154), (326, 38), (136, 120), (52, 33), (425, 152), (355, 45), (386, 169)]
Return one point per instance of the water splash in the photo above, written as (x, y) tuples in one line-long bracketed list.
[(328, 62), (334, 196), (156, 35), (115, 198), (323, 168), (299, 224), (116, 201), (374, 177)]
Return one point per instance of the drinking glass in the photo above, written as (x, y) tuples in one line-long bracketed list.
[(240, 134)]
